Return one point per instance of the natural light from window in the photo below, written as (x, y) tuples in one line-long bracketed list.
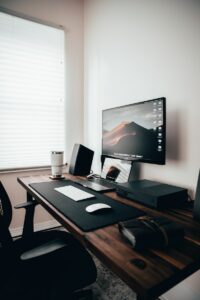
[(32, 92)]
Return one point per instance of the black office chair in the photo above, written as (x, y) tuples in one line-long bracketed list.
[(40, 265)]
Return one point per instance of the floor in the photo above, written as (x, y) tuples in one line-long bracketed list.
[(110, 287)]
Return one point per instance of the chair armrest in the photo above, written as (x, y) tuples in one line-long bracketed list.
[(26, 204), (44, 249), (29, 205)]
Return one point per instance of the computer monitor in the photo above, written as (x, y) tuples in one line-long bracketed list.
[(136, 131)]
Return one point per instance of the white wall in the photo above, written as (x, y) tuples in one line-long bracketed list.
[(69, 14), (139, 50)]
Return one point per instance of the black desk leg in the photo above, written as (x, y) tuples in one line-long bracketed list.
[(29, 216)]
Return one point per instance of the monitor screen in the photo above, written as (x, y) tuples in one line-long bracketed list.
[(135, 131)]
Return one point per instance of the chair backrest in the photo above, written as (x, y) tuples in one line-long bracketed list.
[(5, 216)]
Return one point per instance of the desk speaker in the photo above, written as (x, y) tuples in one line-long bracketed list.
[(81, 160), (196, 211)]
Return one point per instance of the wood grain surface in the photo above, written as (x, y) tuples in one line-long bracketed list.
[(161, 269)]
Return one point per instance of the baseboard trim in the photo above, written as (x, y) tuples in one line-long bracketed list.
[(37, 227)]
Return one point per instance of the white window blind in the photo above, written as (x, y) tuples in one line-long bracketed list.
[(32, 93)]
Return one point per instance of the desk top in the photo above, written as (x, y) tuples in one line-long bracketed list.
[(163, 268)]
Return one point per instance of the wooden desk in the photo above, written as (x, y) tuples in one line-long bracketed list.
[(163, 269)]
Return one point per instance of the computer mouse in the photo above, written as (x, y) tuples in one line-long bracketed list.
[(97, 207)]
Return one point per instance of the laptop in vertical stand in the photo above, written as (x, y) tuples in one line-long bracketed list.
[(113, 170)]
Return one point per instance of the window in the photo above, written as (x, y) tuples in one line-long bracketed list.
[(32, 92)]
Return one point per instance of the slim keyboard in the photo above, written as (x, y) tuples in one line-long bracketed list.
[(93, 185), (105, 182)]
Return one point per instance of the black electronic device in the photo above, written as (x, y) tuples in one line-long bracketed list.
[(153, 194), (196, 211), (81, 160), (135, 131)]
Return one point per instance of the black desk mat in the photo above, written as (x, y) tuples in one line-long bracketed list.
[(75, 211)]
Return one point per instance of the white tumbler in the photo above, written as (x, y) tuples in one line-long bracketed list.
[(56, 163)]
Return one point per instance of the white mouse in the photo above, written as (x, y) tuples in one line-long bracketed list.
[(97, 207)]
